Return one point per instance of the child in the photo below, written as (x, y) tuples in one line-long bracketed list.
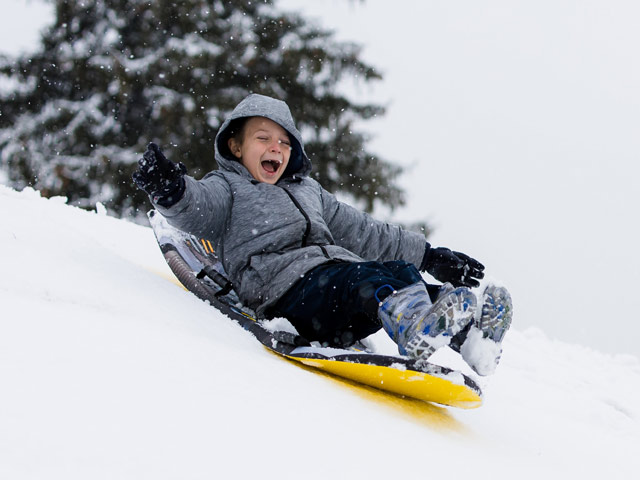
[(292, 250)]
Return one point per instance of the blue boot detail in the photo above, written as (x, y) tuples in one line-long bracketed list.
[(482, 348), (420, 327)]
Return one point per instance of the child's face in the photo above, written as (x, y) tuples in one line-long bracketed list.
[(264, 148)]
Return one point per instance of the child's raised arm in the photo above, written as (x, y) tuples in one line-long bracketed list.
[(197, 207), (162, 179)]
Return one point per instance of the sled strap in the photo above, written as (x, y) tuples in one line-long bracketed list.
[(225, 284)]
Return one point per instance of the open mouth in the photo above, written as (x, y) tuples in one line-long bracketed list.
[(271, 166)]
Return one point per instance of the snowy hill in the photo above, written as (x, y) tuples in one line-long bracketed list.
[(108, 370)]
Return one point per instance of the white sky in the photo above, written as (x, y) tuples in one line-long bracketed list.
[(520, 124), (20, 24)]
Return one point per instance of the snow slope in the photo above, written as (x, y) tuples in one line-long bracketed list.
[(109, 370)]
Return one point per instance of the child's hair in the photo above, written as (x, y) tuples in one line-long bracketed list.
[(234, 130)]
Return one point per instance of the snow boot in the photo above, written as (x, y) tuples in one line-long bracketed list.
[(483, 346), (420, 327)]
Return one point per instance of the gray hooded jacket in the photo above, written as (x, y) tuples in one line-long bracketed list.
[(269, 236)]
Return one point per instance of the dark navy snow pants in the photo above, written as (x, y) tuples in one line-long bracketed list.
[(335, 303)]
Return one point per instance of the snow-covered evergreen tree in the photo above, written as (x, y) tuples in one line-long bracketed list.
[(112, 75)]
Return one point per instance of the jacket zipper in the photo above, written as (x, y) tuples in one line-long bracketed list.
[(307, 230)]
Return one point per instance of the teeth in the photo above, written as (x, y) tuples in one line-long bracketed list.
[(273, 165)]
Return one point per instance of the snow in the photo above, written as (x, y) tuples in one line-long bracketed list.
[(480, 352), (110, 370)]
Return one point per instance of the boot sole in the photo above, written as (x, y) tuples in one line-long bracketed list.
[(450, 314), (497, 313)]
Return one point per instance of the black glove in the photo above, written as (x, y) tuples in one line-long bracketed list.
[(160, 177), (458, 269)]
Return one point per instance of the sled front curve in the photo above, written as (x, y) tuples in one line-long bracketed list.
[(409, 383)]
